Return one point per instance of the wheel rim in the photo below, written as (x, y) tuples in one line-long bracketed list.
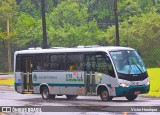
[(45, 93), (105, 95)]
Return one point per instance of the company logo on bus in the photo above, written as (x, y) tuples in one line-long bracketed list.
[(69, 77), (35, 77), (74, 73)]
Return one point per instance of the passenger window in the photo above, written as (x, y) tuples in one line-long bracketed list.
[(45, 62), (74, 62), (90, 63), (18, 63), (37, 62), (57, 62), (101, 64)]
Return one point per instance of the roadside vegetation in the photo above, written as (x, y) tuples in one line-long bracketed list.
[(6, 81), (154, 74)]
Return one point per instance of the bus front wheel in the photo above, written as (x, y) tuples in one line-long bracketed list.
[(105, 95), (45, 93), (131, 97)]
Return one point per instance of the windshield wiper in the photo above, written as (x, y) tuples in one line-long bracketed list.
[(136, 65)]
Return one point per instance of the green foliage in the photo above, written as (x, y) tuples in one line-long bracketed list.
[(8, 10), (30, 7), (141, 33), (28, 31), (69, 25), (8, 7), (33, 7), (154, 74), (131, 8), (100, 9)]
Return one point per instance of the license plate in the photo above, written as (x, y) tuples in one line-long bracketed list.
[(137, 92)]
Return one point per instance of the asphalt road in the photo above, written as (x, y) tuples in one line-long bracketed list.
[(83, 104)]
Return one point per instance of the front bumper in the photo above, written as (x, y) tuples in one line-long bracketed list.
[(131, 90)]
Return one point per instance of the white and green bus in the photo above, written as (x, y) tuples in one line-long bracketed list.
[(106, 71)]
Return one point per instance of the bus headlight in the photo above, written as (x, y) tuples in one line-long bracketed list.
[(124, 85), (147, 83)]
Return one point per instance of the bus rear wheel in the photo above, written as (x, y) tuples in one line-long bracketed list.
[(45, 93), (71, 96), (105, 95), (131, 97)]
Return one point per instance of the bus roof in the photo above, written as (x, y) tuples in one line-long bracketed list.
[(78, 49)]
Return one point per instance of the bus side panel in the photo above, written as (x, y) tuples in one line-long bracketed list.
[(73, 83), (48, 78), (60, 82), (36, 89), (114, 84), (103, 79), (18, 82), (79, 87), (66, 90), (79, 90), (54, 90)]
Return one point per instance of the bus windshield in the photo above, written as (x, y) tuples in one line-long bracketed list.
[(128, 62)]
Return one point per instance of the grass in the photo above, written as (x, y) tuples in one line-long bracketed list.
[(154, 76), (6, 81), (6, 73)]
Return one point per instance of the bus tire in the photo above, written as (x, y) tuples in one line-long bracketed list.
[(45, 93), (131, 97), (69, 97), (105, 95)]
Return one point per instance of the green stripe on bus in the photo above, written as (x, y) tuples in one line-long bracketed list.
[(62, 85), (53, 84), (17, 84)]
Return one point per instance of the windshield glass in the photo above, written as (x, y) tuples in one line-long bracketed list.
[(128, 62)]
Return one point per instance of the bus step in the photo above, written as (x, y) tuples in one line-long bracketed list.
[(27, 92)]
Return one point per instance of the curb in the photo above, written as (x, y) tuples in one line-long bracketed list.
[(3, 74), (6, 75), (147, 96)]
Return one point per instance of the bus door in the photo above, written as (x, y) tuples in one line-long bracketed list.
[(90, 65), (27, 73)]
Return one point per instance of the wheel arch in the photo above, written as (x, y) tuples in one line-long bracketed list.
[(43, 85), (100, 87)]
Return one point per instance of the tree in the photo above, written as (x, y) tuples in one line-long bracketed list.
[(131, 8), (102, 11), (69, 25), (28, 31), (33, 7), (141, 33), (8, 10), (30, 7)]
